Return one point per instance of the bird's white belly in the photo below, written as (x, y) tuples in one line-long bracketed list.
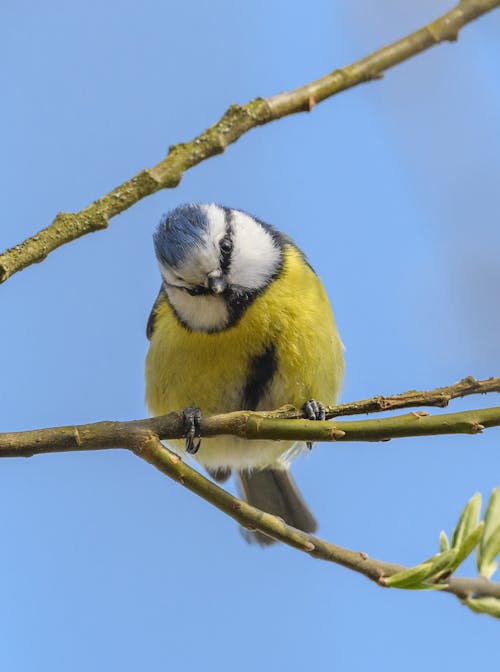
[(237, 453)]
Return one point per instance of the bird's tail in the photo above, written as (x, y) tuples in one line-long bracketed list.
[(274, 491)]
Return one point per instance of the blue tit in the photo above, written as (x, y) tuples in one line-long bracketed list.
[(241, 322)]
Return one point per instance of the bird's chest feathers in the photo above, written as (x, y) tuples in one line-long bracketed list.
[(220, 371), (283, 349)]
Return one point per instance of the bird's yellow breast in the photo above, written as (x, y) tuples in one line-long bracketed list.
[(210, 370)]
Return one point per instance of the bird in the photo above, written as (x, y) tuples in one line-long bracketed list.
[(241, 322)]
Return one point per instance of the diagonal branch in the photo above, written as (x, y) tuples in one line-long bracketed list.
[(153, 451), (235, 123), (143, 437)]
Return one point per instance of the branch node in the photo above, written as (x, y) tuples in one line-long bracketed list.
[(443, 400), (442, 31), (470, 381)]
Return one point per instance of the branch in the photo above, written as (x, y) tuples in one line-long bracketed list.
[(251, 518), (440, 397), (235, 123), (143, 438), (246, 425), (153, 451), (148, 446)]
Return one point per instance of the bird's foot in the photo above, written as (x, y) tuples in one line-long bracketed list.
[(192, 429), (314, 410)]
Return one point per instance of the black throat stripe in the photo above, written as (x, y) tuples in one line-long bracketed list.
[(262, 370)]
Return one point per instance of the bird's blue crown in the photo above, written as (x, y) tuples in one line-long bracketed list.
[(178, 231)]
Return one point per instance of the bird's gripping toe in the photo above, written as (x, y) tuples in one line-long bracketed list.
[(192, 429), (314, 410)]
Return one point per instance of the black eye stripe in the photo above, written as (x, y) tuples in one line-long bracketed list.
[(226, 243), (198, 291)]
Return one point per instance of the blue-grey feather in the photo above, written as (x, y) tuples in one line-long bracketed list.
[(177, 232)]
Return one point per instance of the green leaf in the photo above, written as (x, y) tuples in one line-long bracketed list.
[(484, 605), (486, 563), (442, 562), (467, 546), (467, 521), (409, 577), (424, 585), (444, 544), (415, 577), (489, 546)]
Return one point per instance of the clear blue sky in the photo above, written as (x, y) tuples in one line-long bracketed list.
[(390, 188)]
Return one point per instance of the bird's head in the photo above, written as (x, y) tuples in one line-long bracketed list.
[(214, 262)]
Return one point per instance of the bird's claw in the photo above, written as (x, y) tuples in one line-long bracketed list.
[(192, 429), (314, 410)]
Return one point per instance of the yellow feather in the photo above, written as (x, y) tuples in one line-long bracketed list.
[(209, 370)]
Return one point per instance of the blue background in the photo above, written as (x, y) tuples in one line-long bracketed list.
[(391, 188)]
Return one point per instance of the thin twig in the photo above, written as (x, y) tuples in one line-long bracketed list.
[(439, 397), (235, 122)]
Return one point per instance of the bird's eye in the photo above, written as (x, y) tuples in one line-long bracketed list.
[(226, 246)]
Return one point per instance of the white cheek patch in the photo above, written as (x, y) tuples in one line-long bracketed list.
[(256, 257), (216, 217)]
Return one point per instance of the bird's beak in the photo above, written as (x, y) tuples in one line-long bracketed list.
[(216, 282)]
